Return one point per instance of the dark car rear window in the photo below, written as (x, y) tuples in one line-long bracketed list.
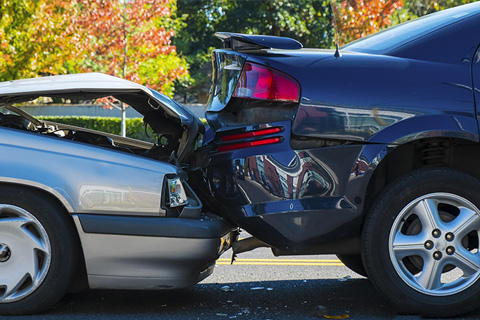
[(386, 40)]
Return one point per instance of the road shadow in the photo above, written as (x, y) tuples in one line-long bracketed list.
[(292, 299)]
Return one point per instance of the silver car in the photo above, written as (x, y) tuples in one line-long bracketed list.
[(81, 208)]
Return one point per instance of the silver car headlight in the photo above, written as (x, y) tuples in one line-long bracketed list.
[(176, 193)]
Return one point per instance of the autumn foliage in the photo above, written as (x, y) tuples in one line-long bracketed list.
[(36, 37), (125, 38), (130, 39), (133, 38), (358, 18)]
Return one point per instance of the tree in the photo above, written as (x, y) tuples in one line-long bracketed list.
[(126, 38), (309, 21), (416, 8), (358, 18), (132, 39), (36, 38)]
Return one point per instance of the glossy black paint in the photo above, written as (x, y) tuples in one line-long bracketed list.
[(476, 79), (288, 197), (311, 190), (239, 41)]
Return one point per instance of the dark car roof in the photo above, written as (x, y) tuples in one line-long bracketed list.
[(390, 39)]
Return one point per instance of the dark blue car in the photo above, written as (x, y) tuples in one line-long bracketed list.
[(370, 153)]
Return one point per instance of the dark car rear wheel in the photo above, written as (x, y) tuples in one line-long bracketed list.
[(38, 252), (353, 262), (421, 243)]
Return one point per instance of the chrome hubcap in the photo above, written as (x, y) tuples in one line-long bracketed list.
[(25, 253), (434, 244)]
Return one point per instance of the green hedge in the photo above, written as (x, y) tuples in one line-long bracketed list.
[(135, 128)]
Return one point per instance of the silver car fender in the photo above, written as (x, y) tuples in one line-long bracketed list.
[(85, 178)]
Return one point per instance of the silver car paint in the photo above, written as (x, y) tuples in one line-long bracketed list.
[(133, 262), (82, 82), (85, 178)]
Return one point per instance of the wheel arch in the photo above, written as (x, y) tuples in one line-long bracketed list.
[(428, 126), (439, 152), (58, 196)]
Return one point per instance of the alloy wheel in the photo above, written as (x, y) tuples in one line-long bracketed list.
[(434, 244)]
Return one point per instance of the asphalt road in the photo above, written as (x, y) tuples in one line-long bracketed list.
[(257, 286)]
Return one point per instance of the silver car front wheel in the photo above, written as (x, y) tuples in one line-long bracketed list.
[(39, 251), (24, 253)]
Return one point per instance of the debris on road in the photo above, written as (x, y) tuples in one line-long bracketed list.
[(322, 312), (226, 289), (342, 316), (344, 278)]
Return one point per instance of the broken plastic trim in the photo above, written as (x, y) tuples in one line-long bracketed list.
[(245, 245)]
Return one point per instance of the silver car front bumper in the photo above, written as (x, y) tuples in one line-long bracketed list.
[(151, 253)]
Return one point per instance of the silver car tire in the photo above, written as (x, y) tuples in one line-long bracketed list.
[(421, 243), (38, 251)]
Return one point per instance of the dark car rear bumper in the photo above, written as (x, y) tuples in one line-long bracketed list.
[(295, 200)]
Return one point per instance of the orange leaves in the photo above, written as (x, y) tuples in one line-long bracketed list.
[(358, 18), (35, 37), (126, 38), (122, 36)]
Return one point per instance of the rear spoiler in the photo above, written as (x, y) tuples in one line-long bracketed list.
[(240, 42)]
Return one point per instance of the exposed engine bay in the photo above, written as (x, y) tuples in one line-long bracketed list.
[(170, 136)]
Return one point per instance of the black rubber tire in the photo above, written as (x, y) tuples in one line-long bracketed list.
[(375, 238), (64, 249), (353, 262)]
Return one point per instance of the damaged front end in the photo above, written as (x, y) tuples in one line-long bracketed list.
[(140, 224)]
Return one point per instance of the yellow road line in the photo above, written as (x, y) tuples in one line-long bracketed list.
[(282, 262), (279, 264)]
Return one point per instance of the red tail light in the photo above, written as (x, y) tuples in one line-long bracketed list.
[(242, 145), (261, 82), (251, 134)]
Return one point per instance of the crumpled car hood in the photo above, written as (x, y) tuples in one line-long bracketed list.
[(92, 85)]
